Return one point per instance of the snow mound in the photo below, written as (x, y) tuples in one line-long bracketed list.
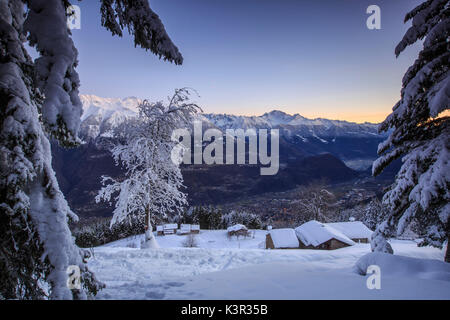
[(315, 233), (352, 229), (284, 238), (393, 265)]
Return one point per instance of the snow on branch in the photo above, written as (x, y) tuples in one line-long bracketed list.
[(46, 25), (140, 20), (424, 18)]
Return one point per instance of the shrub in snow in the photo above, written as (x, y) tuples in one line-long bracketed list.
[(96, 232), (420, 132), (190, 241)]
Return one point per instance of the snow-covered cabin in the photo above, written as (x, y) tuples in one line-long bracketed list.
[(317, 235), (184, 229), (195, 228), (282, 239), (237, 230), (355, 230), (170, 228), (159, 230)]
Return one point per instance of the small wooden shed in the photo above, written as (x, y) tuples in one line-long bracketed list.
[(238, 230)]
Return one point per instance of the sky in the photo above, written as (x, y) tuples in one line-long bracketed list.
[(248, 57)]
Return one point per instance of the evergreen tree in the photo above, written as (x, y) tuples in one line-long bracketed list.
[(374, 213), (39, 99), (420, 132)]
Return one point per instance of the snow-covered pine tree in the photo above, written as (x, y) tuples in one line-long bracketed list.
[(143, 146), (39, 99), (373, 214), (420, 133)]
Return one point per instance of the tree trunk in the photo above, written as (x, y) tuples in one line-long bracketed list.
[(147, 219), (150, 240), (447, 252), (148, 226)]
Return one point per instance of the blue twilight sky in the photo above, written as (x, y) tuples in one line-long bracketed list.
[(247, 57)]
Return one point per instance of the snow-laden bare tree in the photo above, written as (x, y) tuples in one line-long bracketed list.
[(144, 147), (420, 133), (314, 200), (39, 99)]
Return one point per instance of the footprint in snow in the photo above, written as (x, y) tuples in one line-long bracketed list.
[(174, 284), (155, 295)]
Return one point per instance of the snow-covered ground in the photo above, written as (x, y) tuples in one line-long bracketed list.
[(238, 269)]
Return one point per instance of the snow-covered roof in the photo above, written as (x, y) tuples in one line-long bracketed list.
[(284, 238), (315, 233), (195, 227), (236, 227), (171, 226), (352, 229)]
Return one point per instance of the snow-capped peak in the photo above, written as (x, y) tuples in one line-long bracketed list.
[(277, 117), (100, 115), (94, 105)]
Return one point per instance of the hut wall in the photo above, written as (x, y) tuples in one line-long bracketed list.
[(361, 240), (269, 242), (331, 244)]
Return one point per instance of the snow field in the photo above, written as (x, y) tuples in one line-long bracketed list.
[(230, 269)]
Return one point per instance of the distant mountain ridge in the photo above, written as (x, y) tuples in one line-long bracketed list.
[(100, 115)]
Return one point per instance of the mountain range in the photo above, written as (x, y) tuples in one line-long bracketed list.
[(310, 149), (353, 143)]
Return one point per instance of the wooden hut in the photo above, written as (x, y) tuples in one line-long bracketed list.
[(159, 230), (282, 239)]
